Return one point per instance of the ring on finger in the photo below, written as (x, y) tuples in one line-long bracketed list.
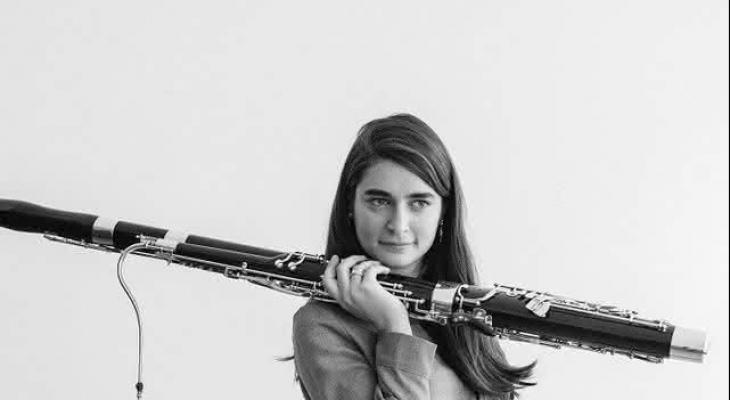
[(358, 270)]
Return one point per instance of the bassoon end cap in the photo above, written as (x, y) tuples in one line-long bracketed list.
[(688, 345)]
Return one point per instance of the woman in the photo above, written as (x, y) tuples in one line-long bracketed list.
[(398, 209)]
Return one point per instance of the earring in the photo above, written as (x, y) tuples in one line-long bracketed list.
[(441, 231)]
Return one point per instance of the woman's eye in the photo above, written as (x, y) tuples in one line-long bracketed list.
[(378, 202), (420, 203)]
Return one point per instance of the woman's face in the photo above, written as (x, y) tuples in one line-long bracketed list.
[(396, 217)]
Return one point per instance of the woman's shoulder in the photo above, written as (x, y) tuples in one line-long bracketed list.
[(317, 311), (321, 315)]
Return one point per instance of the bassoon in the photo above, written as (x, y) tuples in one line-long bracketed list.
[(503, 311)]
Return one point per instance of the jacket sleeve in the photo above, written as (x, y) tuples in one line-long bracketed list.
[(332, 367)]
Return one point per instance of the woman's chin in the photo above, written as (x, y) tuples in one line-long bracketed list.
[(398, 264)]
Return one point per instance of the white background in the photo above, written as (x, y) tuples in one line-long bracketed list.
[(591, 138)]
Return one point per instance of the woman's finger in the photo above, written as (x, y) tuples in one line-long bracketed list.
[(357, 272), (372, 273), (343, 275), (329, 278)]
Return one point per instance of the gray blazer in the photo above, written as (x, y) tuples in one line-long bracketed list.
[(339, 356)]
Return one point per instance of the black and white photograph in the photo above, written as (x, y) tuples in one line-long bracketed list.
[(350, 200)]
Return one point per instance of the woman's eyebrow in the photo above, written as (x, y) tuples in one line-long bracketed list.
[(383, 193)]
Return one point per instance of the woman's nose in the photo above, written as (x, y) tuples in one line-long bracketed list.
[(399, 220)]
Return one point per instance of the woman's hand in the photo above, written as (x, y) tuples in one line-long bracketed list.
[(352, 283)]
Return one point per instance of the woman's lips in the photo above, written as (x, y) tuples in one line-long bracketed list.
[(395, 247)]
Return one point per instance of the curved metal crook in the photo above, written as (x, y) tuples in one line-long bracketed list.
[(120, 275)]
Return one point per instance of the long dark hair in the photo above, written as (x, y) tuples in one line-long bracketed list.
[(406, 140)]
